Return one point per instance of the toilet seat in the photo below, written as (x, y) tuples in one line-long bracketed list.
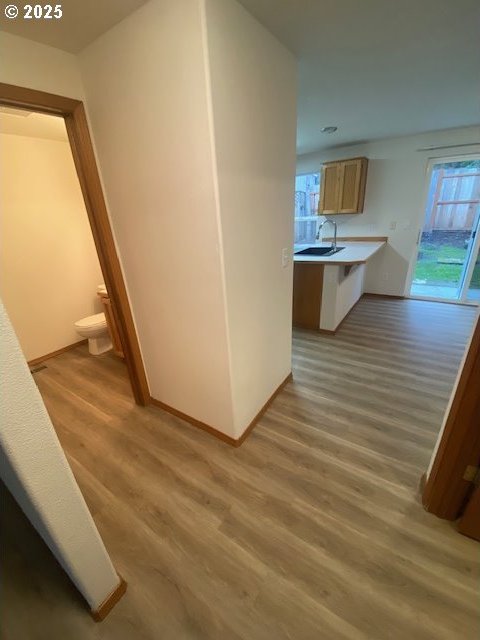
[(92, 322)]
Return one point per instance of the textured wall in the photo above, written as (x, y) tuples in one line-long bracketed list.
[(34, 468)]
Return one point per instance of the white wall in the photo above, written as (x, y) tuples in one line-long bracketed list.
[(395, 194), (253, 84), (35, 470), (30, 64), (147, 104), (186, 249), (340, 293), (48, 263)]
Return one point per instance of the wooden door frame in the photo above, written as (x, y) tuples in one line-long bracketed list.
[(446, 490), (73, 112)]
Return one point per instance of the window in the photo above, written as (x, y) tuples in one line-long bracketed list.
[(307, 192)]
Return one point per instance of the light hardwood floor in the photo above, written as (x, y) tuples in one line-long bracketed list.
[(311, 530)]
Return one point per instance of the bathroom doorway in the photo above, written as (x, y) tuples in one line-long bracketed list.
[(73, 114)]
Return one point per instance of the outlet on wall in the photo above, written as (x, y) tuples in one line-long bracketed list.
[(393, 225), (385, 276), (285, 257)]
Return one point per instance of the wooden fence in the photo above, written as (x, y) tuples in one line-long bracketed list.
[(454, 201)]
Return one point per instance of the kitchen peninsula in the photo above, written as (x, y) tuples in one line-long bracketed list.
[(326, 287)]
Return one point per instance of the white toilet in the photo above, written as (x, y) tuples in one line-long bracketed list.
[(95, 329)]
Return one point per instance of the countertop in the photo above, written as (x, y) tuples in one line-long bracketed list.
[(354, 252)]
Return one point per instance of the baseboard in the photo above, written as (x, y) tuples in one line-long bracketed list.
[(32, 363), (234, 442), (194, 422), (107, 605), (252, 424), (384, 295)]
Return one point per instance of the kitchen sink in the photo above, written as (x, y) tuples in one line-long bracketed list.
[(318, 251)]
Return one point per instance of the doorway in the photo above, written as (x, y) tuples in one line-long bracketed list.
[(452, 487), (447, 263), (73, 113)]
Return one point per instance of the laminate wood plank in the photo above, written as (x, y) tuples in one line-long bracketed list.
[(409, 370), (313, 528), (139, 494)]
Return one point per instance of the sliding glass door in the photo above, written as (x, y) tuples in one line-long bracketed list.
[(472, 293), (448, 244)]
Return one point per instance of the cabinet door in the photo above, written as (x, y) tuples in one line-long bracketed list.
[(307, 294), (352, 185), (329, 189)]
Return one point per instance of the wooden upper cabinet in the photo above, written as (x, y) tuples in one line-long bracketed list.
[(329, 188), (342, 188)]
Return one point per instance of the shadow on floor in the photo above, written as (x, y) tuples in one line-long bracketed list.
[(34, 587)]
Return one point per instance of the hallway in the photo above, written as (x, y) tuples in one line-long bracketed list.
[(311, 529)]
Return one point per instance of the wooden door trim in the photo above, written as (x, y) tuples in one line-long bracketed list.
[(73, 112), (445, 492)]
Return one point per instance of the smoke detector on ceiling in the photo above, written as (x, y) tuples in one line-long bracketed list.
[(328, 129)]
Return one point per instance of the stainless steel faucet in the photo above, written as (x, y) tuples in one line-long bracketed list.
[(334, 243)]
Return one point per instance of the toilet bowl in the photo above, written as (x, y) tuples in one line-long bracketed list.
[(95, 329)]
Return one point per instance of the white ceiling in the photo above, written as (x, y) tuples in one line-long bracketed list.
[(34, 125), (374, 68), (379, 68), (81, 23)]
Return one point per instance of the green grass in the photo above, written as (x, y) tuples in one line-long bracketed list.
[(428, 268)]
